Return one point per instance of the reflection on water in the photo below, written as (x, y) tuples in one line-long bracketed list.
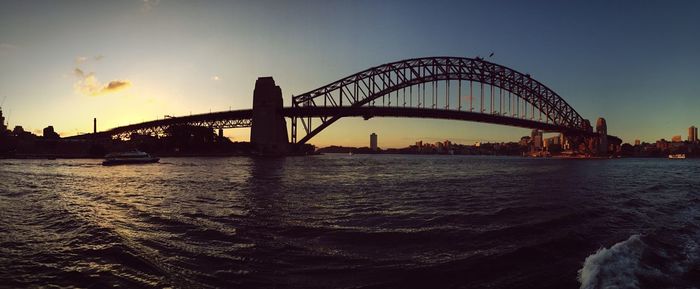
[(350, 221)]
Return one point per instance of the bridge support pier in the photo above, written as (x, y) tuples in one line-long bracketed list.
[(268, 133)]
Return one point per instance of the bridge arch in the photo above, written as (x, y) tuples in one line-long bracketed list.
[(365, 88)]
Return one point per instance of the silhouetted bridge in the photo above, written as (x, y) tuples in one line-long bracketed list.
[(469, 89)]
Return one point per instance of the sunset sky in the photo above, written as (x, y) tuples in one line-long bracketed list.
[(64, 62)]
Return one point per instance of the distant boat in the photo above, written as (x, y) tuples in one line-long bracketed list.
[(132, 157), (676, 156)]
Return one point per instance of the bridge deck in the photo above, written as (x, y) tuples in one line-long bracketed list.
[(412, 112), (242, 118)]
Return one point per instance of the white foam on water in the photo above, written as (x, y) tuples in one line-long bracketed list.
[(613, 268)]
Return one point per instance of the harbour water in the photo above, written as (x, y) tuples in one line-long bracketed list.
[(362, 221)]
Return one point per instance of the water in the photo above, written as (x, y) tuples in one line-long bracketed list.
[(339, 221)]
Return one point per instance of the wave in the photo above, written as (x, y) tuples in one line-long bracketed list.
[(613, 268), (663, 259)]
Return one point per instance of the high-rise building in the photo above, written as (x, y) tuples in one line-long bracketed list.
[(373, 141), (448, 145), (677, 138), (537, 139), (439, 146), (2, 123), (637, 142), (601, 127), (692, 134)]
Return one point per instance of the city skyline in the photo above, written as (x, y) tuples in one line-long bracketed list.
[(65, 63)]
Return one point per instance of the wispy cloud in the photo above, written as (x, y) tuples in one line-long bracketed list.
[(88, 84), (6, 48), (80, 60), (148, 5), (116, 85), (83, 59)]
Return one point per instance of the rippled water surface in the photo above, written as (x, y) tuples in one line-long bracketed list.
[(338, 221)]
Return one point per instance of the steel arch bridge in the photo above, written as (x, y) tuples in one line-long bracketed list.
[(437, 83), (457, 88)]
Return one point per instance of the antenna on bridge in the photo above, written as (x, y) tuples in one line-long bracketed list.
[(491, 55)]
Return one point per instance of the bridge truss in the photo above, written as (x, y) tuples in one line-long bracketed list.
[(158, 128), (445, 85)]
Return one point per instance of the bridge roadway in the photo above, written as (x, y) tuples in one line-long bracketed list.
[(243, 118)]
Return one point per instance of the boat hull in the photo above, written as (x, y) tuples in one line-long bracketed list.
[(114, 162)]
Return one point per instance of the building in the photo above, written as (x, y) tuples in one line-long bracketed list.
[(524, 141), (601, 127), (373, 142), (49, 133), (537, 140), (448, 145), (440, 147), (553, 144), (692, 134), (676, 138), (637, 142), (3, 128)]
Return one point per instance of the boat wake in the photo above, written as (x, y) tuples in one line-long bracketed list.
[(614, 267), (644, 262)]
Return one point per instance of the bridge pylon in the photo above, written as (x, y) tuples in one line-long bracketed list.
[(268, 132)]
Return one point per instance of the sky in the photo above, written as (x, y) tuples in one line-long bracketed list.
[(635, 63)]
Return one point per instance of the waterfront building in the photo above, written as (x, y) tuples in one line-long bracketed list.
[(692, 134), (439, 146), (601, 127), (49, 133), (537, 140), (524, 141), (3, 128), (373, 142)]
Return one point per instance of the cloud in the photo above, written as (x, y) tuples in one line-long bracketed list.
[(215, 78), (80, 60), (6, 48), (88, 84), (83, 59), (78, 72), (116, 85), (91, 86), (149, 4)]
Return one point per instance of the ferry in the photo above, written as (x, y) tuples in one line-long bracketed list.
[(132, 157), (676, 156)]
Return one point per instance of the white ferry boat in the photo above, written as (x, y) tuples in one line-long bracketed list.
[(132, 157), (676, 156)]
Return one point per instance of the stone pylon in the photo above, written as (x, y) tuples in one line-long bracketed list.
[(268, 133)]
